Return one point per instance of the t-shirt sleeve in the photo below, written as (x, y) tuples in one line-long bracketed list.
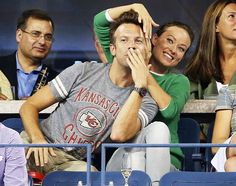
[(147, 111), (62, 85), (225, 98)]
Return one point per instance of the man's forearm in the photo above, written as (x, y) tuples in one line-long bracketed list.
[(127, 123), (29, 116)]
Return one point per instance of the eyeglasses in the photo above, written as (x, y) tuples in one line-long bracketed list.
[(37, 35)]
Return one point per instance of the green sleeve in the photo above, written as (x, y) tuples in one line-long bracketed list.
[(102, 31), (179, 90)]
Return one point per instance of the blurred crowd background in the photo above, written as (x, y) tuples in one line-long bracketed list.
[(74, 24)]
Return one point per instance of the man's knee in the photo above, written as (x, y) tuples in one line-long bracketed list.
[(158, 132), (76, 166), (158, 128)]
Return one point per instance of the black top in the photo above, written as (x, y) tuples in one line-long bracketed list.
[(8, 67)]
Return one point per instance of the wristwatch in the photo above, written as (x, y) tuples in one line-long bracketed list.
[(142, 91)]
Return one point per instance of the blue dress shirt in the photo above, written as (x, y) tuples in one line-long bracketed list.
[(26, 81)]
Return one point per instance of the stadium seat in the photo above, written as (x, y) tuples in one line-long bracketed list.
[(199, 179), (189, 131), (71, 178), (14, 123)]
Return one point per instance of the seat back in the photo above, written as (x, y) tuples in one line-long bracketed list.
[(71, 178), (188, 132), (14, 123), (198, 179)]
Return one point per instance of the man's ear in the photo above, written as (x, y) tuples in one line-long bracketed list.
[(18, 35), (112, 49), (154, 39)]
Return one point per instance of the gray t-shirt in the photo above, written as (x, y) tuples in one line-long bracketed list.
[(227, 101), (88, 104)]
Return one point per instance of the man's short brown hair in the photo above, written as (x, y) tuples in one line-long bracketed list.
[(125, 18), (34, 13)]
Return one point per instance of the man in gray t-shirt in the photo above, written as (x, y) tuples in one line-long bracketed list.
[(92, 103), (96, 101)]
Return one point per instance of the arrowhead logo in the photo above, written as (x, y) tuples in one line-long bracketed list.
[(90, 121)]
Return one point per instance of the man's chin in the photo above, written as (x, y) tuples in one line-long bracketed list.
[(40, 56)]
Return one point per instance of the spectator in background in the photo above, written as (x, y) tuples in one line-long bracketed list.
[(169, 90), (213, 64), (24, 68), (12, 159), (95, 101), (224, 130), (5, 88)]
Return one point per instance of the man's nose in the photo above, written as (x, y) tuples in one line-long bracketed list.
[(132, 48), (42, 40), (131, 44)]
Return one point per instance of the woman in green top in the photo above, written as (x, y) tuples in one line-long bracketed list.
[(170, 43)]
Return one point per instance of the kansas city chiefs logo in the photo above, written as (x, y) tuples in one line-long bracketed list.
[(89, 121)]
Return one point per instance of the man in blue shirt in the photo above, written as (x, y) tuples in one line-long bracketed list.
[(24, 68)]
